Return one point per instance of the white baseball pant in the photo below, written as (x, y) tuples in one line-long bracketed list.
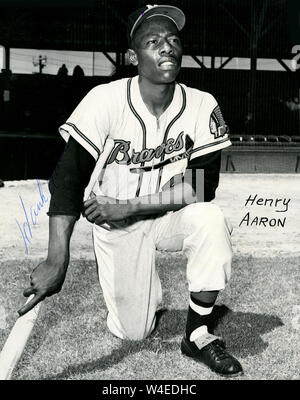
[(126, 263)]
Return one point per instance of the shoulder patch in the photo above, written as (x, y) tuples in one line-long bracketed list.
[(217, 125)]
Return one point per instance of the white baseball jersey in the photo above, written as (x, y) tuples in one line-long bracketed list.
[(126, 255), (140, 139)]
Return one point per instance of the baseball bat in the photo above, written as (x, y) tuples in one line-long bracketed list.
[(16, 341), (18, 337)]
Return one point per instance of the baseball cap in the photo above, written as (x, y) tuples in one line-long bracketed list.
[(136, 18)]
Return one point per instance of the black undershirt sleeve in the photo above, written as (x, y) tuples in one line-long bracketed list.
[(211, 164), (69, 179)]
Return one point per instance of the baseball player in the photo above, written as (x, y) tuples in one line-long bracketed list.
[(141, 202)]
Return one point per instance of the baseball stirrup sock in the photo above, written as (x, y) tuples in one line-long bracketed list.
[(198, 318)]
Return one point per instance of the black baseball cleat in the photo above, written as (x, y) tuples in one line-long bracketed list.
[(214, 356)]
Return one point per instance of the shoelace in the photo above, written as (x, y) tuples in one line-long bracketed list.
[(218, 352)]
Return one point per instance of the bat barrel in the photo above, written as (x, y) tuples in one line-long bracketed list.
[(16, 342)]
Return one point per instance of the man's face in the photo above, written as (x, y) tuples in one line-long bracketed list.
[(157, 50)]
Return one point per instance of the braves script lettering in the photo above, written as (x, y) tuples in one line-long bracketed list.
[(120, 153)]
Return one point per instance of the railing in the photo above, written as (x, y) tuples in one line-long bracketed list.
[(265, 140)]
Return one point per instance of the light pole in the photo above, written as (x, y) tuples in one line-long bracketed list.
[(41, 63)]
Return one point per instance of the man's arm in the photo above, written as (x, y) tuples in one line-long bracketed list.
[(101, 209), (48, 277), (173, 197), (69, 180), (211, 164), (67, 186)]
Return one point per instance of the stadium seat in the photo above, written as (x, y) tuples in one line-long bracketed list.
[(272, 138), (284, 138), (236, 138), (260, 138), (295, 139)]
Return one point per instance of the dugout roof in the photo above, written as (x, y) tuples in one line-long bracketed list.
[(241, 28)]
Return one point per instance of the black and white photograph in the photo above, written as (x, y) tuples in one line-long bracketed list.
[(149, 193)]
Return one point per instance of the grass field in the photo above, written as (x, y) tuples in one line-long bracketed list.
[(258, 314)]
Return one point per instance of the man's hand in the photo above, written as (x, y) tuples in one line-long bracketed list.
[(101, 209), (45, 280)]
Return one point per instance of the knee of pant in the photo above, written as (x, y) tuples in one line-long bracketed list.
[(209, 214)]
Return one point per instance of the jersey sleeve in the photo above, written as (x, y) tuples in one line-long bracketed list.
[(89, 122), (211, 131)]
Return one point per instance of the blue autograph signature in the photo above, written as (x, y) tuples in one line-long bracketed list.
[(31, 216), (25, 227)]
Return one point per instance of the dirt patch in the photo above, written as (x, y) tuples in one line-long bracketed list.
[(26, 203)]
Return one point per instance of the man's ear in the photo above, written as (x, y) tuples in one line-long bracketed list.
[(132, 57)]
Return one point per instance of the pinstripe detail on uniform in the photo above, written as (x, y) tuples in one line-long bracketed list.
[(168, 130), (175, 118), (143, 129), (84, 137), (138, 189)]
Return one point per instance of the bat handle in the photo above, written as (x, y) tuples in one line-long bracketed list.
[(31, 314)]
